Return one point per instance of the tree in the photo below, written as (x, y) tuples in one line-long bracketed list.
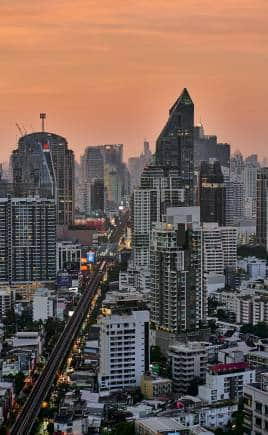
[(124, 428), (50, 428), (19, 382), (260, 330), (193, 387)]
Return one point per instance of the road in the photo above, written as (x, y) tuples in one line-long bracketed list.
[(31, 408)]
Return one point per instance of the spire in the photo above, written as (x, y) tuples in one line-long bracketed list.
[(184, 99)]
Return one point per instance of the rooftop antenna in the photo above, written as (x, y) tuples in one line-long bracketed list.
[(43, 116)]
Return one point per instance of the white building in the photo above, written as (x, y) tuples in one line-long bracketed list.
[(188, 362), (256, 407), (28, 341), (255, 267), (252, 309), (219, 250), (67, 252), (225, 382), (43, 304), (124, 341), (7, 298)]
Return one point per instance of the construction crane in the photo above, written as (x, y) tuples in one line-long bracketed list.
[(23, 133)]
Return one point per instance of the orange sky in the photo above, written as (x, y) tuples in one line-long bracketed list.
[(107, 71)]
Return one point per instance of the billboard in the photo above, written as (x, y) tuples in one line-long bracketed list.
[(91, 256), (64, 280)]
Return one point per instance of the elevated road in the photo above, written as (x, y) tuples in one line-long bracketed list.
[(31, 408)]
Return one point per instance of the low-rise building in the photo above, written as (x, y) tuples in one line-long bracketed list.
[(43, 304), (258, 359), (28, 341), (155, 386), (7, 298), (225, 382), (67, 252), (256, 407), (159, 426), (188, 363)]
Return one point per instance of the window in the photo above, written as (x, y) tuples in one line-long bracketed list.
[(258, 421), (258, 407)]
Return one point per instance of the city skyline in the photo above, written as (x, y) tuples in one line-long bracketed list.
[(107, 75)]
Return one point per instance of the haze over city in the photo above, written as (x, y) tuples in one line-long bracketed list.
[(109, 74)]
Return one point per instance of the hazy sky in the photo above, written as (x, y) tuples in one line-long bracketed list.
[(107, 71)]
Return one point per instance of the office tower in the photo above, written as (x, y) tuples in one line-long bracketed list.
[(236, 167), (27, 240), (175, 144), (234, 202), (6, 186), (212, 192), (92, 164), (207, 147), (159, 189), (124, 341), (116, 175), (136, 165), (250, 184), (97, 195), (44, 166), (104, 162), (262, 208)]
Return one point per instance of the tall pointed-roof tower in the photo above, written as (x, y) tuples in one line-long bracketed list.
[(175, 144)]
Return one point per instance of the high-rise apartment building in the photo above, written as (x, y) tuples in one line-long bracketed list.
[(44, 166), (124, 341), (219, 250), (262, 207), (177, 300), (27, 240), (159, 189), (212, 192), (175, 144)]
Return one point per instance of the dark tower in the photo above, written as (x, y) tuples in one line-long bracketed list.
[(44, 166), (212, 193), (175, 145), (262, 207)]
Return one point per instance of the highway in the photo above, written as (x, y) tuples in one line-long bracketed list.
[(31, 408)]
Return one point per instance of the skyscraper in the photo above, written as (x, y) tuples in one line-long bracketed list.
[(104, 162), (159, 189), (207, 147), (27, 240), (176, 298), (44, 166), (92, 164), (175, 144), (262, 207), (212, 192)]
